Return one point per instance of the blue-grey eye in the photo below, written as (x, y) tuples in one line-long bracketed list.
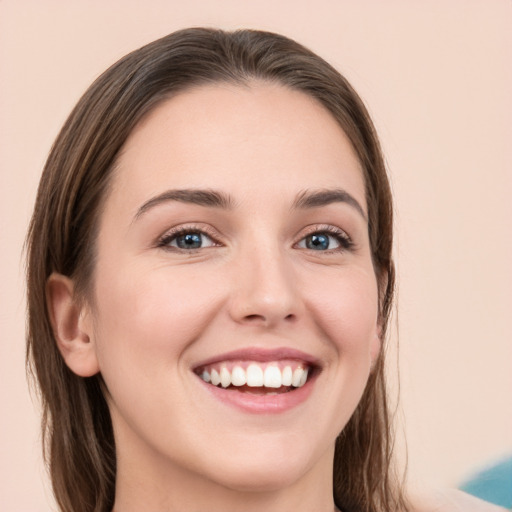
[(191, 240), (319, 242)]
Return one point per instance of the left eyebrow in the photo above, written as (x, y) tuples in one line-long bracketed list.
[(324, 197)]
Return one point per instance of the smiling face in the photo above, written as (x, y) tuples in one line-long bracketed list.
[(233, 242)]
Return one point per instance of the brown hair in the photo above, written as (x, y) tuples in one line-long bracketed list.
[(77, 430)]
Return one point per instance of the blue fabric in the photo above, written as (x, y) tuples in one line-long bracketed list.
[(493, 484)]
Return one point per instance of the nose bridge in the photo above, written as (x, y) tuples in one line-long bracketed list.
[(264, 285)]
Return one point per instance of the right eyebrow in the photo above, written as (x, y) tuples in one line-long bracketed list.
[(201, 197)]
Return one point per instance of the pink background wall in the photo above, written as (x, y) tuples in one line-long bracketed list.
[(437, 79)]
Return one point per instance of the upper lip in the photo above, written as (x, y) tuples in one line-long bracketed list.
[(262, 355)]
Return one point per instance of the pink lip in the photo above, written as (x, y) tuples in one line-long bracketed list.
[(262, 404), (261, 355)]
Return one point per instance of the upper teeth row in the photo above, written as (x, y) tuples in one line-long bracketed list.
[(255, 376)]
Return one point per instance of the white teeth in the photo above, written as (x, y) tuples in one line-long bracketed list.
[(225, 377), (297, 377), (254, 376), (215, 377), (238, 377), (286, 376), (272, 377)]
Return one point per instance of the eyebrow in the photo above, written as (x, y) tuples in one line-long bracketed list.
[(209, 198), (212, 198), (324, 197)]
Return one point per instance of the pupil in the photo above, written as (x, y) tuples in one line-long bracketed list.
[(189, 241), (318, 242)]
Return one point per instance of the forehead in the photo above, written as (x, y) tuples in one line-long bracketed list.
[(258, 137)]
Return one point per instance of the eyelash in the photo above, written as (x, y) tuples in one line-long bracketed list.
[(170, 236), (346, 243)]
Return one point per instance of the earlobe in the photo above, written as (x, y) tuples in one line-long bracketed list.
[(70, 328)]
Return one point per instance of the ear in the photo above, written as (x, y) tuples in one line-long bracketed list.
[(71, 326)]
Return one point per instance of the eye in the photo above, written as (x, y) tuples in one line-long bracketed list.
[(326, 240), (319, 242), (187, 240)]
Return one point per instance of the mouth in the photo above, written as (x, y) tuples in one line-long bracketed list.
[(257, 378), (260, 380)]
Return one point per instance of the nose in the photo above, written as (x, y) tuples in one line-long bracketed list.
[(264, 290)]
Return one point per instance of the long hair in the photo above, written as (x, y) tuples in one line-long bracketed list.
[(78, 438)]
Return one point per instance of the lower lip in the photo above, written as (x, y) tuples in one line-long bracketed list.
[(262, 404)]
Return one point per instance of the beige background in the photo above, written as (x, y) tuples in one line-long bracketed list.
[(437, 78)]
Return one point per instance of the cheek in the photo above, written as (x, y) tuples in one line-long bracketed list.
[(147, 319), (345, 306)]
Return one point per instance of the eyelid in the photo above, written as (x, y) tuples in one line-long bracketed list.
[(172, 233), (163, 241), (344, 238)]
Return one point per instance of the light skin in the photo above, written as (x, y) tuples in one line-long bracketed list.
[(279, 257)]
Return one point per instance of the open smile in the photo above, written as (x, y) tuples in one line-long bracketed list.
[(250, 376), (260, 380)]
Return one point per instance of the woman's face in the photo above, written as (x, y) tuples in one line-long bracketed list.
[(233, 241)]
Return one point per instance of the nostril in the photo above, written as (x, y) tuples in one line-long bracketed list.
[(262, 318), (255, 318)]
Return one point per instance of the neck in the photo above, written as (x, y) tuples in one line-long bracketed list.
[(147, 482), (214, 499)]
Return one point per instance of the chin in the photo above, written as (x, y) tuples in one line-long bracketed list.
[(264, 470), (268, 478)]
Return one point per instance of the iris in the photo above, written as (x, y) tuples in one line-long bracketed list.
[(189, 241), (318, 242)]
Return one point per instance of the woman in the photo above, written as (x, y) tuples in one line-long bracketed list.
[(209, 285)]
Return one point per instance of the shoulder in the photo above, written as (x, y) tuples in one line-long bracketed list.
[(450, 500)]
